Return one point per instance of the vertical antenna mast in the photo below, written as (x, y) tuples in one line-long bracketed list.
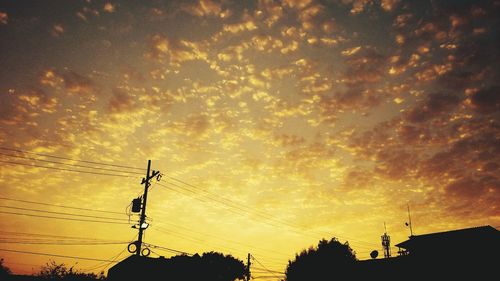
[(409, 221), (386, 243)]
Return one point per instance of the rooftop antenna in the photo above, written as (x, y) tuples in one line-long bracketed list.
[(409, 221), (386, 243)]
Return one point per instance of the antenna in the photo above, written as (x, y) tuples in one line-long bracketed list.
[(409, 221), (386, 243)]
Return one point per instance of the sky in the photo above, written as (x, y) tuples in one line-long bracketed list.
[(273, 123)]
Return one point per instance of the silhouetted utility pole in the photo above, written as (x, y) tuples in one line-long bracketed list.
[(247, 274), (142, 227)]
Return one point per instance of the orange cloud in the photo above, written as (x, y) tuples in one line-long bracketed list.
[(57, 30), (109, 7), (120, 102), (389, 5), (204, 8), (4, 18), (359, 6)]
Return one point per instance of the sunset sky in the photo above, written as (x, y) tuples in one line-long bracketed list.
[(274, 124)]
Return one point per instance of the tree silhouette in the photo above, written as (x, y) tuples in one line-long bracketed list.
[(211, 266), (329, 260), (222, 268), (4, 270), (54, 271)]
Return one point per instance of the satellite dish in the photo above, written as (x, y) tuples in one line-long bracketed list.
[(374, 254)]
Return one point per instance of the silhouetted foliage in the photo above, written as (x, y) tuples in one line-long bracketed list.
[(211, 266), (4, 270), (54, 271), (329, 260), (221, 267)]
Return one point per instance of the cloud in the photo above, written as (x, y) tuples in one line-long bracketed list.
[(4, 18), (366, 66), (289, 140), (57, 30), (350, 51), (297, 4), (435, 105), (270, 11), (486, 100), (194, 125), (246, 24), (109, 7), (389, 5), (358, 6), (78, 84), (307, 159), (204, 8), (120, 102), (23, 108), (175, 52)]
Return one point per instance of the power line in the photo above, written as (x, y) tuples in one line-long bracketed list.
[(267, 270), (243, 210), (167, 249), (223, 239), (272, 272), (105, 265), (60, 206), (50, 235), (52, 255), (71, 159), (60, 218), (63, 169), (230, 203), (60, 213), (63, 243), (68, 164)]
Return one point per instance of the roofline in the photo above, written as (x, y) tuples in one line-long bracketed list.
[(448, 231)]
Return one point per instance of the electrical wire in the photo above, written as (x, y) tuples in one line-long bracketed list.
[(114, 259), (167, 249), (272, 272), (63, 243), (50, 235), (61, 213), (222, 239), (60, 218), (63, 169), (52, 255), (60, 206), (239, 210), (68, 164), (229, 202), (71, 159)]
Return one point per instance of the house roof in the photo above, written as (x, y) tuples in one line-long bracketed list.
[(452, 236)]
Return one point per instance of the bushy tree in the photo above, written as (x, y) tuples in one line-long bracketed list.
[(54, 271), (222, 268), (328, 261)]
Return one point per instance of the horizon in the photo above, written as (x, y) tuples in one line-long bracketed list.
[(274, 124)]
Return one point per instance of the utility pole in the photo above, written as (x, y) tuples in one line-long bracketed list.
[(248, 268), (142, 227)]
